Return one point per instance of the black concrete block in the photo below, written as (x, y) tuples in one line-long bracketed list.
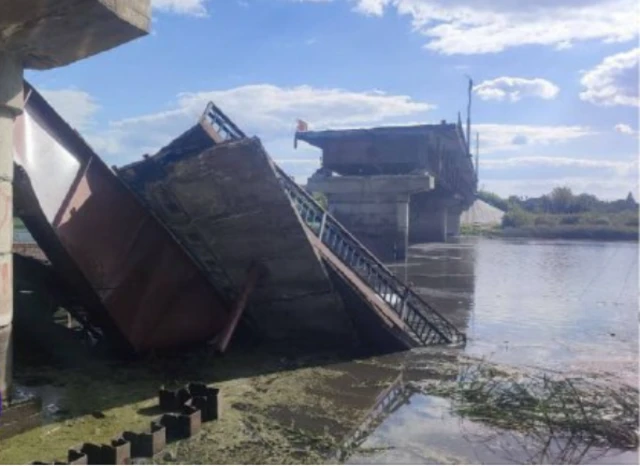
[(167, 400), (93, 453), (75, 456), (173, 400), (147, 444), (117, 452), (183, 425), (206, 400)]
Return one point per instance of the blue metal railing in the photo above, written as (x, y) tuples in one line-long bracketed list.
[(429, 327)]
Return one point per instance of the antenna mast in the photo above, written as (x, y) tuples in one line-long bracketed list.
[(477, 154), (469, 116)]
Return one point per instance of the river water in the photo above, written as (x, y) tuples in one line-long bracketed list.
[(565, 306)]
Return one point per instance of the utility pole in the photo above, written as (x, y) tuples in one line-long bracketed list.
[(469, 116), (477, 155)]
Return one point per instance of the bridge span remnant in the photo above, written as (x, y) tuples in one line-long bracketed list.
[(395, 186)]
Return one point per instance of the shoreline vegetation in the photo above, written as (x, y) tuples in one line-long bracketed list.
[(561, 215)]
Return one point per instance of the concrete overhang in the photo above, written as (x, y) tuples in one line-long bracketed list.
[(50, 33), (379, 184)]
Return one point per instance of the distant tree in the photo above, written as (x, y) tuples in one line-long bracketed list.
[(585, 203), (631, 202), (561, 200), (493, 199)]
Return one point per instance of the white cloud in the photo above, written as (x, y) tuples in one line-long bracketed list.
[(265, 110), (76, 107), (514, 89), (185, 7), (624, 129), (486, 26), (614, 81), (617, 167), (504, 137), (605, 188)]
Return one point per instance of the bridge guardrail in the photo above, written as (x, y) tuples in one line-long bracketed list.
[(429, 326)]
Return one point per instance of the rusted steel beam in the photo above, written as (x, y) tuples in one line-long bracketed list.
[(255, 273)]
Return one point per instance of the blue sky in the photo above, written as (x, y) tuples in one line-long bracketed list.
[(556, 98)]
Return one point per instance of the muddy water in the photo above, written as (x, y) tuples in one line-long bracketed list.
[(563, 306), (525, 305), (558, 305)]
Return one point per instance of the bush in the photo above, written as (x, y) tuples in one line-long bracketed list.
[(321, 199), (601, 221), (516, 218), (493, 199), (544, 220), (569, 220)]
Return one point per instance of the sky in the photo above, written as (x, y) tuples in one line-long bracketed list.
[(555, 100)]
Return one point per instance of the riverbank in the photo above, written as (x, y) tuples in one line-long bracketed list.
[(283, 409), (599, 233)]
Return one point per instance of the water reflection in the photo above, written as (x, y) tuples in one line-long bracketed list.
[(405, 426), (558, 305)]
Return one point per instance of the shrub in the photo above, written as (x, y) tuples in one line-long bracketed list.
[(321, 199), (601, 221), (569, 220), (516, 218), (544, 220)]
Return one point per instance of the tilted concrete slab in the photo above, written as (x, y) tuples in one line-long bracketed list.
[(49, 33), (224, 202)]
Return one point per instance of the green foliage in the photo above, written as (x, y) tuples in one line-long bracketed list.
[(544, 220), (570, 219), (561, 200), (516, 217), (321, 199), (493, 199), (561, 214)]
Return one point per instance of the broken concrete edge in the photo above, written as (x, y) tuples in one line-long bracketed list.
[(56, 33)]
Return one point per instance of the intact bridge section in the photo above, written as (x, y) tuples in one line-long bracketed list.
[(395, 186)]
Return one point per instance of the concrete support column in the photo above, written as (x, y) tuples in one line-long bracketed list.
[(11, 103), (402, 227), (428, 220), (381, 223), (375, 209), (453, 220)]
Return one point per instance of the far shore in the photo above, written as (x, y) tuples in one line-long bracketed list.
[(596, 233)]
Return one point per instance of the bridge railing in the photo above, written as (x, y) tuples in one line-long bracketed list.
[(429, 326)]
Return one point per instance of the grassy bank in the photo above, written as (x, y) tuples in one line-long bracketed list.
[(518, 223), (562, 215)]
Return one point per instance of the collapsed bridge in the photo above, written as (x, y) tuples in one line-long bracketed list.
[(165, 252)]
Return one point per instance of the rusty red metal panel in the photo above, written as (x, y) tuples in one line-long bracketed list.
[(135, 279)]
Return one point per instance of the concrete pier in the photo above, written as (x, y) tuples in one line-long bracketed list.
[(394, 186), (43, 34), (10, 106), (433, 218), (374, 208)]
